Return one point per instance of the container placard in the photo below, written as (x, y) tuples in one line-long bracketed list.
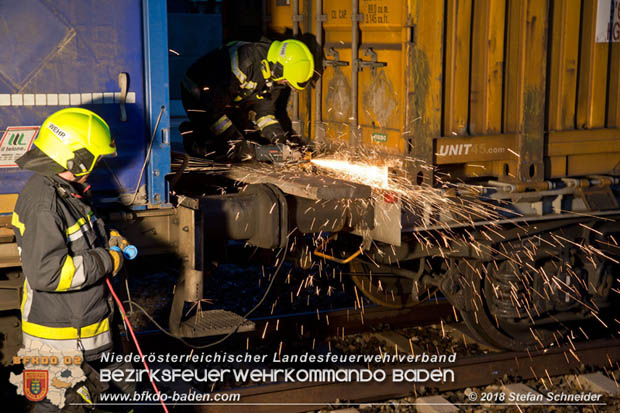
[(379, 137), (608, 21), (16, 141)]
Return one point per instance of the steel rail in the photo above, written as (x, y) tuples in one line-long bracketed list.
[(469, 372), (331, 323)]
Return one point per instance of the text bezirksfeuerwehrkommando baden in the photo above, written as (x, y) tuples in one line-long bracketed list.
[(289, 375)]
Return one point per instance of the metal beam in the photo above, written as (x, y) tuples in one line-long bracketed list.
[(157, 98), (299, 184)]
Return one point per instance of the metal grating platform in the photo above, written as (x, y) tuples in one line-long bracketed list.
[(215, 323)]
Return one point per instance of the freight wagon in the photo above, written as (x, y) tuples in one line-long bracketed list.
[(517, 98), (495, 103)]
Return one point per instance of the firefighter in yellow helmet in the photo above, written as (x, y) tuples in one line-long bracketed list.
[(220, 88), (64, 247)]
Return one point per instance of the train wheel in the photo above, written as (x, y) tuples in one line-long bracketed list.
[(493, 318), (383, 287)]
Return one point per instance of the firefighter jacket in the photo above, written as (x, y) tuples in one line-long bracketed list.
[(234, 76), (62, 247)]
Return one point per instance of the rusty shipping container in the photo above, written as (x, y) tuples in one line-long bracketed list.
[(521, 91)]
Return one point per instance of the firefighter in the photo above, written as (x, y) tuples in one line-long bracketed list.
[(220, 88), (65, 248)]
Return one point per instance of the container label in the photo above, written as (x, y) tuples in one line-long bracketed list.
[(379, 137), (377, 13), (608, 21), (15, 142)]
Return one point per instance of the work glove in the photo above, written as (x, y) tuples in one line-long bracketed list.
[(117, 261), (296, 141), (240, 151), (274, 134), (197, 147), (230, 134), (117, 240)]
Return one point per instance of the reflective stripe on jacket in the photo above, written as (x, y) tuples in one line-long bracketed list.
[(62, 246)]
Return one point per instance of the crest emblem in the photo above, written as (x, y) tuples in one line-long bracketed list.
[(36, 384)]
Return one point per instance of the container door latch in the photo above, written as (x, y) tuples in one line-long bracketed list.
[(372, 64), (336, 62), (123, 83)]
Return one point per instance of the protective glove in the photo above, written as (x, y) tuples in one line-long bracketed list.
[(274, 134), (117, 261), (230, 134), (196, 147), (296, 141), (240, 151), (117, 240)]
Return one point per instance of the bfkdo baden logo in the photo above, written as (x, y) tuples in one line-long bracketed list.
[(36, 384)]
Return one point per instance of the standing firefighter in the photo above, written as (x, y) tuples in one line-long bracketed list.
[(64, 247), (220, 88)]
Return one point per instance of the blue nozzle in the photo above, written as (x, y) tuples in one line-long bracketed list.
[(130, 252)]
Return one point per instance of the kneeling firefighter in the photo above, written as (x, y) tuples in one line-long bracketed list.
[(220, 89), (66, 250)]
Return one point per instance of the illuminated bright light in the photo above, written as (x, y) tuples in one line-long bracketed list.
[(371, 175)]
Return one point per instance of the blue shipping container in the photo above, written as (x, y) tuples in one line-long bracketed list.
[(70, 53)]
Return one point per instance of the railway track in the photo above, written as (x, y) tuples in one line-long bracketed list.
[(469, 371), (473, 371), (349, 321), (322, 324)]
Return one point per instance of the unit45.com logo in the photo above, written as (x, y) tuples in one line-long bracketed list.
[(36, 384)]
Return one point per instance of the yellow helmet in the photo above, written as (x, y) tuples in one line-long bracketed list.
[(75, 138), (292, 61)]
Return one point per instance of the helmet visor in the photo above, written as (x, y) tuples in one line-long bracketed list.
[(302, 85), (85, 160)]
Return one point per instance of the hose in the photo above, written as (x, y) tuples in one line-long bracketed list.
[(163, 330), (135, 340)]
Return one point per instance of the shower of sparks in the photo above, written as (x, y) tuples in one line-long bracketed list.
[(441, 207), (371, 175), (451, 216)]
